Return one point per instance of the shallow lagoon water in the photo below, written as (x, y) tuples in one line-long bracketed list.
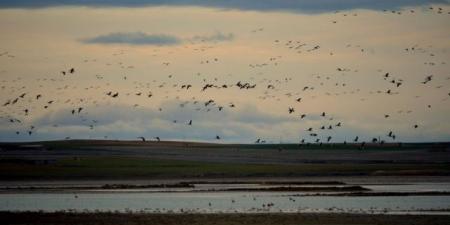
[(209, 202), (198, 200), (413, 187)]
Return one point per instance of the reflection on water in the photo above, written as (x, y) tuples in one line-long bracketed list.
[(208, 202)]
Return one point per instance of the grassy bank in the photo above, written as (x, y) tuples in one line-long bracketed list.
[(97, 167), (217, 219)]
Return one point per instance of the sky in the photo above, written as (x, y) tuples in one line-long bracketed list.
[(377, 69)]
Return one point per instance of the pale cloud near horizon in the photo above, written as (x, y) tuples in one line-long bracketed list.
[(243, 125)]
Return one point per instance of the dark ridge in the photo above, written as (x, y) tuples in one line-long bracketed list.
[(91, 218), (50, 145)]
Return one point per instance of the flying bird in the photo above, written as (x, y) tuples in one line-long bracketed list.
[(142, 138)]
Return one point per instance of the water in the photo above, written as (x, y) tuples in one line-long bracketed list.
[(209, 202), (414, 187), (197, 200)]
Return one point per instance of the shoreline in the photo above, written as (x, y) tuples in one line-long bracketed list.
[(314, 193), (348, 179), (344, 186)]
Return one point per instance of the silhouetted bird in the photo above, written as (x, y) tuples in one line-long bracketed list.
[(142, 138), (291, 110)]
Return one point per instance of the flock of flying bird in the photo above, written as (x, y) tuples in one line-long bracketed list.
[(14, 110)]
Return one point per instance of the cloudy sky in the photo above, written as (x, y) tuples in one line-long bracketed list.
[(372, 66)]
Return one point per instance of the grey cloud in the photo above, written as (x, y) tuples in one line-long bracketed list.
[(134, 38), (218, 36), (141, 38), (308, 6)]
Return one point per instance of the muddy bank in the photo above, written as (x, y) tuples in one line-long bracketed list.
[(337, 180), (304, 189), (384, 194), (191, 187)]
